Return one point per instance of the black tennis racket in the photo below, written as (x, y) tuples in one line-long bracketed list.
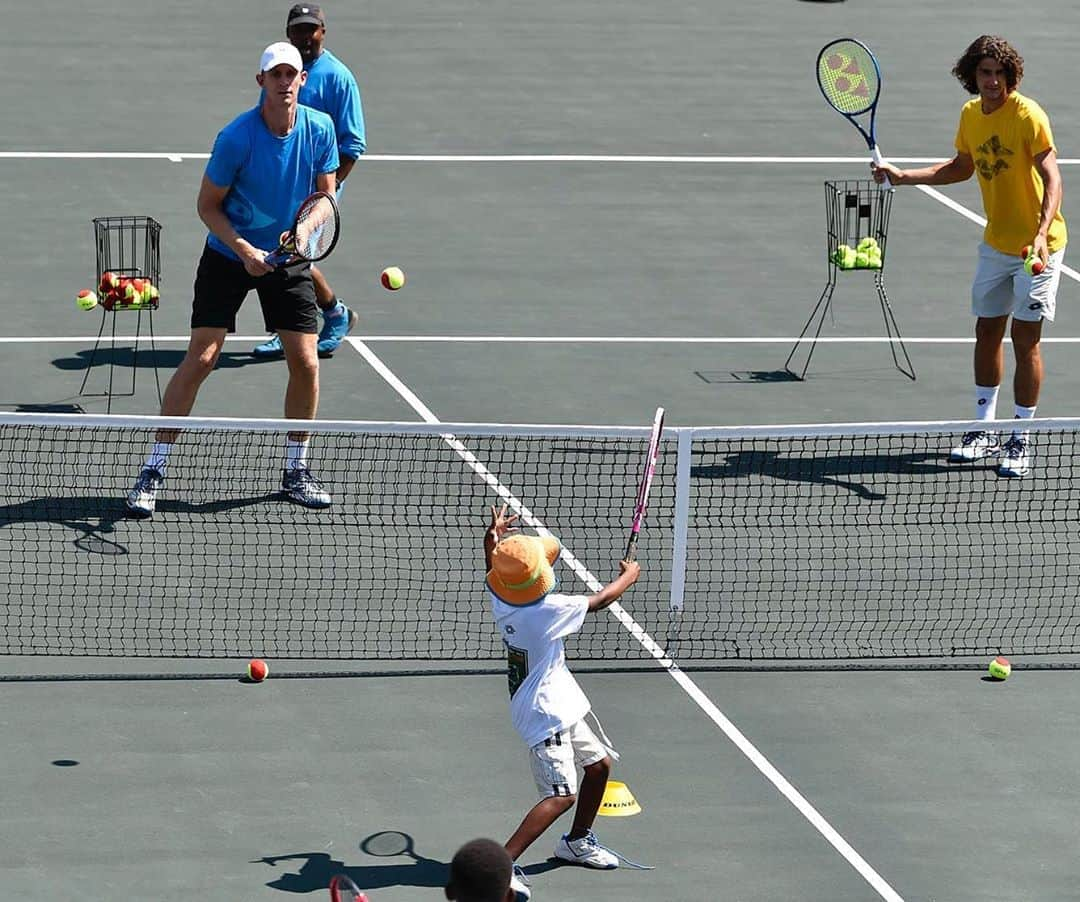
[(850, 79), (646, 483), (314, 233), (342, 889)]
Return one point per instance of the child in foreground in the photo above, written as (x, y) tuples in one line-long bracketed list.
[(547, 706)]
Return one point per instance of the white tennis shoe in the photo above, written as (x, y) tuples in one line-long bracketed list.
[(586, 851), (1016, 459), (974, 446)]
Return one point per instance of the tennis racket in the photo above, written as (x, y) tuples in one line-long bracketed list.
[(314, 233), (342, 889), (850, 78), (645, 484)]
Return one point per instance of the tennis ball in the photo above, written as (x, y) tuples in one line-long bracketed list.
[(866, 244), (873, 260), (86, 299), (1026, 252), (108, 280), (128, 293), (1033, 265), (1000, 668), (862, 260), (393, 278), (257, 670)]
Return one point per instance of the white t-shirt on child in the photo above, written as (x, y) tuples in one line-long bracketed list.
[(544, 696)]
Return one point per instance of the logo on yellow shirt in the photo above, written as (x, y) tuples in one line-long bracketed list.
[(995, 149)]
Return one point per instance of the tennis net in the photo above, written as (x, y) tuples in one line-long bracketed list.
[(840, 543)]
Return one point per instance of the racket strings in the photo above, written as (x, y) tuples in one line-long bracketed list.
[(848, 77), (316, 229)]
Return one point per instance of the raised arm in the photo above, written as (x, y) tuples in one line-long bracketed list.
[(501, 523), (959, 169)]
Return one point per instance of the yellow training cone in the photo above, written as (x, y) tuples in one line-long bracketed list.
[(618, 801)]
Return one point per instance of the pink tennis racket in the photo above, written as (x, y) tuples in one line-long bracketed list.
[(645, 484)]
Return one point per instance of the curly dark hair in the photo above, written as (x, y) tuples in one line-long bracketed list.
[(996, 48)]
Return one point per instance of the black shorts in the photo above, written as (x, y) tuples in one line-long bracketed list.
[(287, 295)]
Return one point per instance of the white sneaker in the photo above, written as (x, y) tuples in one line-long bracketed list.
[(974, 446), (586, 851), (520, 885), (142, 499), (1015, 461)]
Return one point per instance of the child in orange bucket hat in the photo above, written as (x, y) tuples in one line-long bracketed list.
[(547, 706)]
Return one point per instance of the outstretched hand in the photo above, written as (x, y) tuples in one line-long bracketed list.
[(501, 522)]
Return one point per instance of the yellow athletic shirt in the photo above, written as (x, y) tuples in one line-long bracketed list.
[(1003, 145)]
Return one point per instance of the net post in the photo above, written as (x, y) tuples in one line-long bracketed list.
[(683, 459)]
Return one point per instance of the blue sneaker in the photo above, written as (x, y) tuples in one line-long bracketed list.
[(270, 348), (334, 329)]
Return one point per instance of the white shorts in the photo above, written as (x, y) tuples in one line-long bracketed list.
[(555, 761), (1002, 287)]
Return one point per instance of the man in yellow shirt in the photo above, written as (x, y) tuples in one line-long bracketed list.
[(1005, 137)]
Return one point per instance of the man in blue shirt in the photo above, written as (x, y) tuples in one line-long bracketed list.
[(264, 163), (332, 89)]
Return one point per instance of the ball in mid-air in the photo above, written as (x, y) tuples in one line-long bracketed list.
[(1000, 668), (86, 299), (257, 670), (393, 278)]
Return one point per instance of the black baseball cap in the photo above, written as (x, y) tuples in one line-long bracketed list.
[(305, 14)]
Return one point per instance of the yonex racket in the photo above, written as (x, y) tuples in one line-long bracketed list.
[(342, 889), (646, 483), (314, 233), (850, 78)]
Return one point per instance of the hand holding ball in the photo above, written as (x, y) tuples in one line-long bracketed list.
[(1033, 264), (393, 278), (86, 299)]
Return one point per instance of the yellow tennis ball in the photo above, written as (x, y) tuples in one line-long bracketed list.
[(257, 670), (1000, 668), (86, 299), (862, 260), (393, 278)]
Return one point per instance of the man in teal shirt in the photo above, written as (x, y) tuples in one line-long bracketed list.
[(331, 89)]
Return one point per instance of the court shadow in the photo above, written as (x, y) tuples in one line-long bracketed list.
[(94, 518), (744, 377), (839, 470), (162, 359), (317, 868)]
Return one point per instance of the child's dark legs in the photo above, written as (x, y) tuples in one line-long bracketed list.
[(542, 815), (590, 795)]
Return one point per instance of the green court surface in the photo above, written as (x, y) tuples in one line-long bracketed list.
[(600, 209)]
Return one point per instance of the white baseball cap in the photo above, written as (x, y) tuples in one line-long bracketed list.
[(281, 53)]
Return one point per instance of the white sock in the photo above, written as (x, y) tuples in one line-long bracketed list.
[(986, 402), (1023, 413), (295, 454), (159, 457)]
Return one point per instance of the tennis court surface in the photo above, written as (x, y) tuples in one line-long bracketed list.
[(599, 210)]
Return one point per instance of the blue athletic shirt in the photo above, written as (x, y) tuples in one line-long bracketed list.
[(332, 89), (268, 176)]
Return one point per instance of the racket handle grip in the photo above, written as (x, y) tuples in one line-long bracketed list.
[(631, 548), (875, 155)]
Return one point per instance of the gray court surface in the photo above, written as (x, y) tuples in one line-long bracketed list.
[(600, 209)]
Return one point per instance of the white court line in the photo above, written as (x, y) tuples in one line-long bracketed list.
[(180, 156), (651, 646), (550, 339)]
